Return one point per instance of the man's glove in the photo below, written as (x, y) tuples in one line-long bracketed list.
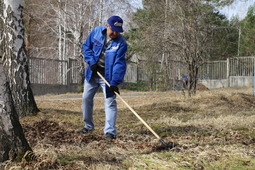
[(93, 67), (114, 89)]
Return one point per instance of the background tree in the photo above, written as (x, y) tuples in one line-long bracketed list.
[(197, 36), (224, 42), (146, 40), (189, 31), (15, 58), (56, 29), (247, 32)]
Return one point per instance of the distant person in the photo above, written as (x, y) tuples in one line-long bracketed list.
[(104, 51), (185, 81)]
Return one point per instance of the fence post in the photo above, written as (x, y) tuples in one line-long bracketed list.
[(254, 81), (228, 72), (69, 74)]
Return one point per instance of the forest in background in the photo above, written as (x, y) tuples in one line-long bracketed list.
[(162, 31), (193, 32)]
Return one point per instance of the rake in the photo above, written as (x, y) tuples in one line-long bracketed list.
[(165, 145)]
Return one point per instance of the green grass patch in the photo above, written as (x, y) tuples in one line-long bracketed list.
[(241, 128), (234, 163), (63, 159)]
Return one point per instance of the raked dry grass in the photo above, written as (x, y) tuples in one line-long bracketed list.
[(215, 129)]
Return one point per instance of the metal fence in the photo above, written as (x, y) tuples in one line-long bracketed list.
[(236, 66), (177, 68), (47, 71), (75, 71), (131, 73), (213, 70), (241, 66), (55, 74), (52, 71)]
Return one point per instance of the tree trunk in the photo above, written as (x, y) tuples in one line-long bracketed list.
[(193, 72), (1, 29), (15, 59), (13, 144)]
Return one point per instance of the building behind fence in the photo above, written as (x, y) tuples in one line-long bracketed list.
[(61, 76)]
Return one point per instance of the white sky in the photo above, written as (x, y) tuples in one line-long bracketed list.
[(238, 8), (137, 3)]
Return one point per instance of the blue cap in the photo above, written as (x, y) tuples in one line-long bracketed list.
[(116, 23)]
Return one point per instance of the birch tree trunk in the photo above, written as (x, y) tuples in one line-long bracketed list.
[(13, 143), (15, 58)]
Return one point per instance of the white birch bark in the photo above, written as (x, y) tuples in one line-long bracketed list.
[(15, 58), (12, 140)]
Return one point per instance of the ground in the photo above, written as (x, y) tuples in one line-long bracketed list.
[(215, 129)]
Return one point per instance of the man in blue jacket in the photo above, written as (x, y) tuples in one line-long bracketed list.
[(104, 51)]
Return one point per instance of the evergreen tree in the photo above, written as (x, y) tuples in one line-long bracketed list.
[(247, 42)]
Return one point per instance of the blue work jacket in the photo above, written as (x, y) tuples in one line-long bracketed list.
[(115, 62)]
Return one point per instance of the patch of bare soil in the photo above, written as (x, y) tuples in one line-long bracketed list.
[(54, 134), (201, 87)]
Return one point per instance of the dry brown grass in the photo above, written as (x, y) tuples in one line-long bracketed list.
[(214, 129)]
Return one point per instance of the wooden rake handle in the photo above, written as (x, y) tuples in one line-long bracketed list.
[(152, 131)]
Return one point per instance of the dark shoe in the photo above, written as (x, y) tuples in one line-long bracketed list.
[(109, 136), (83, 131)]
